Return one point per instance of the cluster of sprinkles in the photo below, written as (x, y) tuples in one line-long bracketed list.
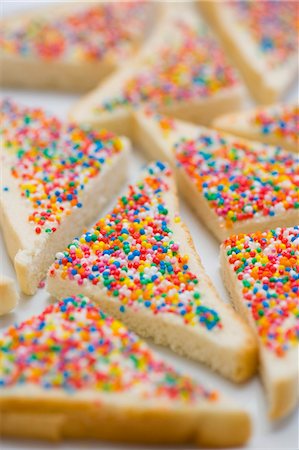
[(273, 25), (281, 122), (132, 256), (267, 266), (240, 181), (51, 163), (86, 34), (73, 346), (195, 67), (166, 124)]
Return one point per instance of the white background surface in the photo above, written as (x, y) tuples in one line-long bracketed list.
[(282, 435)]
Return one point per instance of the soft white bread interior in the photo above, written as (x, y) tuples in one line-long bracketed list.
[(267, 83), (106, 106), (281, 118), (8, 294), (146, 402), (69, 73), (158, 137), (279, 373), (228, 348)]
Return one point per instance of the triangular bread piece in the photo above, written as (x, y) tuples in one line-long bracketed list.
[(73, 372), (234, 185), (261, 272), (182, 71), (262, 39), (275, 125), (8, 294), (72, 46), (140, 265), (55, 178)]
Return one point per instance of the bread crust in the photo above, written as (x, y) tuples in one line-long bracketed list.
[(197, 110), (193, 342), (63, 75), (235, 123), (33, 255), (281, 389), (149, 138), (51, 418), (8, 294), (265, 85)]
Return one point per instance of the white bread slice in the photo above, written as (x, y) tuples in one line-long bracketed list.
[(55, 180), (276, 125), (73, 372), (182, 71), (270, 306), (8, 294), (224, 177), (261, 37), (153, 279), (72, 47)]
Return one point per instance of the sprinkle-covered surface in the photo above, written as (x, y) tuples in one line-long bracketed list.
[(240, 181), (272, 24), (73, 346), (267, 267), (132, 256), (52, 164), (281, 122), (88, 33), (194, 66)]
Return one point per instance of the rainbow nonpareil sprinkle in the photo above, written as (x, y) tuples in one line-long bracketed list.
[(88, 33), (194, 66), (240, 181), (51, 163), (132, 256), (282, 122), (267, 268), (73, 346), (272, 24)]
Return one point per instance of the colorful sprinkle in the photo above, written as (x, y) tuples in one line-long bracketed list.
[(87, 33), (52, 164), (272, 24), (281, 122), (267, 268), (131, 255), (73, 346), (193, 67), (240, 181)]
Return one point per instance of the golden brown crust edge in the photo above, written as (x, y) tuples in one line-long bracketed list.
[(211, 427)]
